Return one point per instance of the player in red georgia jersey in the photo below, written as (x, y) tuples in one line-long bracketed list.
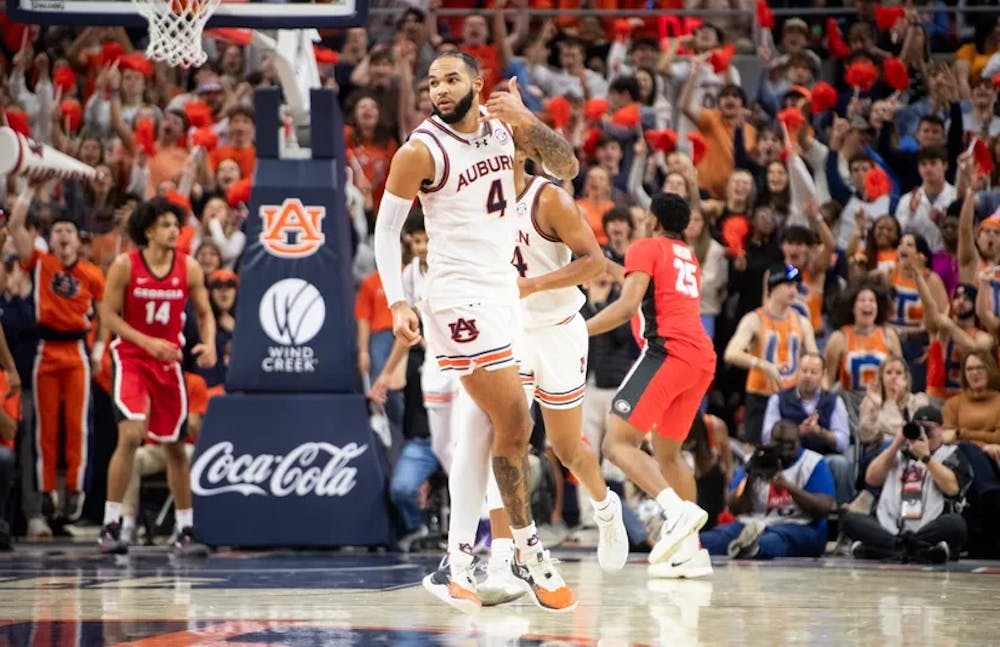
[(663, 390), (144, 300)]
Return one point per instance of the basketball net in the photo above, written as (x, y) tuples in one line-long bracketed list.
[(175, 28)]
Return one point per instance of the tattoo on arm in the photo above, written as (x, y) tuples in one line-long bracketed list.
[(551, 149), (512, 479)]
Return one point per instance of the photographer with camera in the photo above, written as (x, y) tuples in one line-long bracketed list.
[(781, 499), (921, 480)]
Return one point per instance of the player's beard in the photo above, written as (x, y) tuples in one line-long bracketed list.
[(458, 112)]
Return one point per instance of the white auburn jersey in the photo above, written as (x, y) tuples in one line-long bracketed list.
[(469, 215), (537, 253)]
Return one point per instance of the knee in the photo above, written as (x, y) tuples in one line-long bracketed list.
[(566, 452), (130, 441)]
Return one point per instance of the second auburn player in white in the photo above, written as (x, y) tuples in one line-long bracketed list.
[(555, 252)]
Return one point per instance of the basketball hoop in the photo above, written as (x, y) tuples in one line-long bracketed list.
[(175, 28)]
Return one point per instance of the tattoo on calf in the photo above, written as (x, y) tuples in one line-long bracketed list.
[(512, 479)]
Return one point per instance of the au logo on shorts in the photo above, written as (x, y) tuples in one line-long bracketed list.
[(464, 330), (622, 406), (292, 230)]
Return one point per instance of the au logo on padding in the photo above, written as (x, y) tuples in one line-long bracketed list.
[(292, 230)]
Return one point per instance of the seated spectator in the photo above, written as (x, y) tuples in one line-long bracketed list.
[(921, 480), (821, 418), (974, 414), (781, 499), (222, 287)]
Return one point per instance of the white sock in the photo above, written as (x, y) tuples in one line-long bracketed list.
[(670, 502), (128, 523), (112, 512), (526, 539), (501, 549), (469, 473), (185, 518)]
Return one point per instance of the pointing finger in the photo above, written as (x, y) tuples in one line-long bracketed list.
[(512, 87)]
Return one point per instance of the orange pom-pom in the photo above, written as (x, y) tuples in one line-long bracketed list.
[(198, 113), (895, 74), (559, 109), (594, 109), (205, 138), (765, 17), (64, 78), (886, 17), (137, 63), (145, 136), (824, 97), (590, 143), (698, 147), (835, 40), (239, 193), (861, 75), (664, 141), (792, 118), (982, 156), (111, 51), (877, 184), (17, 120), (71, 113), (720, 59), (324, 55), (176, 198), (627, 117)]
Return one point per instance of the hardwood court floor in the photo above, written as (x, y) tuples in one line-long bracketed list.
[(68, 596)]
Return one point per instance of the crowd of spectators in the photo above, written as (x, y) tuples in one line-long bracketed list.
[(839, 171)]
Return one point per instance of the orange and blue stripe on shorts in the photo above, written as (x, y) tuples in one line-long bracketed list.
[(488, 359)]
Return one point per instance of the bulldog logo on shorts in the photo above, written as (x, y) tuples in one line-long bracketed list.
[(464, 330), (622, 406)]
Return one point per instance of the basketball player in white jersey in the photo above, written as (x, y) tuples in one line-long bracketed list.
[(555, 252), (460, 162)]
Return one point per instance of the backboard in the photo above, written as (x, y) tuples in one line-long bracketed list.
[(256, 14)]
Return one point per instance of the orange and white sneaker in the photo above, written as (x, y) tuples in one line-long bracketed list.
[(542, 581), (455, 586)]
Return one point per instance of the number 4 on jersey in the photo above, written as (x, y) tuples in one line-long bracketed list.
[(687, 280), (495, 201), (159, 314)]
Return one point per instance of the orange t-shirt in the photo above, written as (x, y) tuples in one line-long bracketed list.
[(488, 57), (166, 165), (105, 248), (197, 392), (717, 165), (64, 296), (10, 406), (594, 212), (374, 160), (371, 305), (245, 156)]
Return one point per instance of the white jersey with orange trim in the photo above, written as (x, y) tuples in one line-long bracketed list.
[(537, 253), (468, 211)]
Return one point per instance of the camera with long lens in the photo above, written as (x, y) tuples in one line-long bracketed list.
[(764, 463), (913, 431)]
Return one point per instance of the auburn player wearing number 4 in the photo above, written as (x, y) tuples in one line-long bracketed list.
[(460, 162), (147, 292), (665, 387)]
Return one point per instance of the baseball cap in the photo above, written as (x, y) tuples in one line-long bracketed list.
[(928, 413), (796, 23), (782, 273), (967, 290), (223, 277)]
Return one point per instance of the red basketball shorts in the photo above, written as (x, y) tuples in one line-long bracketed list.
[(144, 385), (662, 393)]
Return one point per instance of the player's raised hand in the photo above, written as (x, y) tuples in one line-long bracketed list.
[(163, 350), (205, 354), (405, 324), (508, 106)]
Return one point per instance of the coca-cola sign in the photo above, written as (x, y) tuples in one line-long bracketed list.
[(312, 468)]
